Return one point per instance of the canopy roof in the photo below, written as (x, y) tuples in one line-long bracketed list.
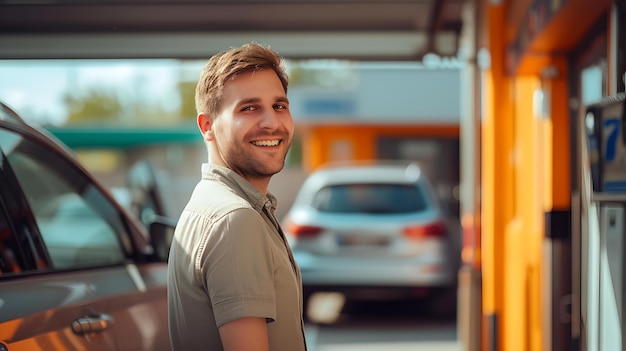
[(394, 30)]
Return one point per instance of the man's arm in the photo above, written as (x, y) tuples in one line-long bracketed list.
[(245, 334)]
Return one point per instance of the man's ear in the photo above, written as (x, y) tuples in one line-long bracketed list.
[(205, 124)]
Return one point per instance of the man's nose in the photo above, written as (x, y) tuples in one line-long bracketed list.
[(270, 119)]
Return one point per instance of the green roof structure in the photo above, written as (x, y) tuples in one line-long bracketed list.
[(124, 138)]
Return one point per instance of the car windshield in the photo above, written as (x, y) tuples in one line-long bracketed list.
[(370, 198)]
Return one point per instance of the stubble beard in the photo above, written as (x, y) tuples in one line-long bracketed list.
[(245, 164)]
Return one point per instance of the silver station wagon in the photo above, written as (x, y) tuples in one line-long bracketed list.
[(374, 230), (77, 270)]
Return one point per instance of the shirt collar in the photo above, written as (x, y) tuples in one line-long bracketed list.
[(240, 185)]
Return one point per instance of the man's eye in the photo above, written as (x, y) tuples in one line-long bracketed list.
[(280, 107), (248, 108)]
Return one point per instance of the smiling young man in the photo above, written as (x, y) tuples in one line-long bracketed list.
[(233, 283)]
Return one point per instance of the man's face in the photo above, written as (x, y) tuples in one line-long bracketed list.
[(253, 128)]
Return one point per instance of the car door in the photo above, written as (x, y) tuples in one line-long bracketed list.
[(80, 276)]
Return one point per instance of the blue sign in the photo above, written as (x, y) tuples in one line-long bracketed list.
[(329, 107)]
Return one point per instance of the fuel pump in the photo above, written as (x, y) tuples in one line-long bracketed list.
[(602, 239)]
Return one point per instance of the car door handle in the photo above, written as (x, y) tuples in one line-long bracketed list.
[(91, 324)]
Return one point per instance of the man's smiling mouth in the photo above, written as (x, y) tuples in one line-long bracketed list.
[(266, 142)]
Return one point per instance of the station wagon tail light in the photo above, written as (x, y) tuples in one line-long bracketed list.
[(429, 230), (302, 231)]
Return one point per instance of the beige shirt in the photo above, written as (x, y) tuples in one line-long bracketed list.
[(229, 259)]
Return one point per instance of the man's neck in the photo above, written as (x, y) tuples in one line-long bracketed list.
[(260, 183)]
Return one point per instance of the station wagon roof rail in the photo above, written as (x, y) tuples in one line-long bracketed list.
[(372, 162)]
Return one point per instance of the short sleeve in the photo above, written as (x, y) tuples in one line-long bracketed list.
[(237, 267)]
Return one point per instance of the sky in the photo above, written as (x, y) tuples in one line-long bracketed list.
[(35, 89)]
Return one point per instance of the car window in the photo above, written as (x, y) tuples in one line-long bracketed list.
[(79, 226), (10, 258), (370, 198)]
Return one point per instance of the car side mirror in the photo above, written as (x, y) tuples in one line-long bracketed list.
[(161, 235)]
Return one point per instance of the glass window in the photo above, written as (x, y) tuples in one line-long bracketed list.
[(593, 84), (79, 226), (370, 198), (10, 257)]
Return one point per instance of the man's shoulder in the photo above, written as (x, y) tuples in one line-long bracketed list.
[(216, 199)]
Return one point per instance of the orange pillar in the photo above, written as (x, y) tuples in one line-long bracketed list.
[(497, 179)]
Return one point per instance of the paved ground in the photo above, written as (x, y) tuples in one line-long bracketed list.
[(382, 339), (379, 326)]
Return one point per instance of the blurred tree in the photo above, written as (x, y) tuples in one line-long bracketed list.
[(332, 73), (294, 156), (92, 104), (96, 105), (187, 91)]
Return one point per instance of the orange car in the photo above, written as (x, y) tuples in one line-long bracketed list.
[(77, 270)]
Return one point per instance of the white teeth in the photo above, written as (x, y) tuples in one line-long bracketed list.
[(266, 142)]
